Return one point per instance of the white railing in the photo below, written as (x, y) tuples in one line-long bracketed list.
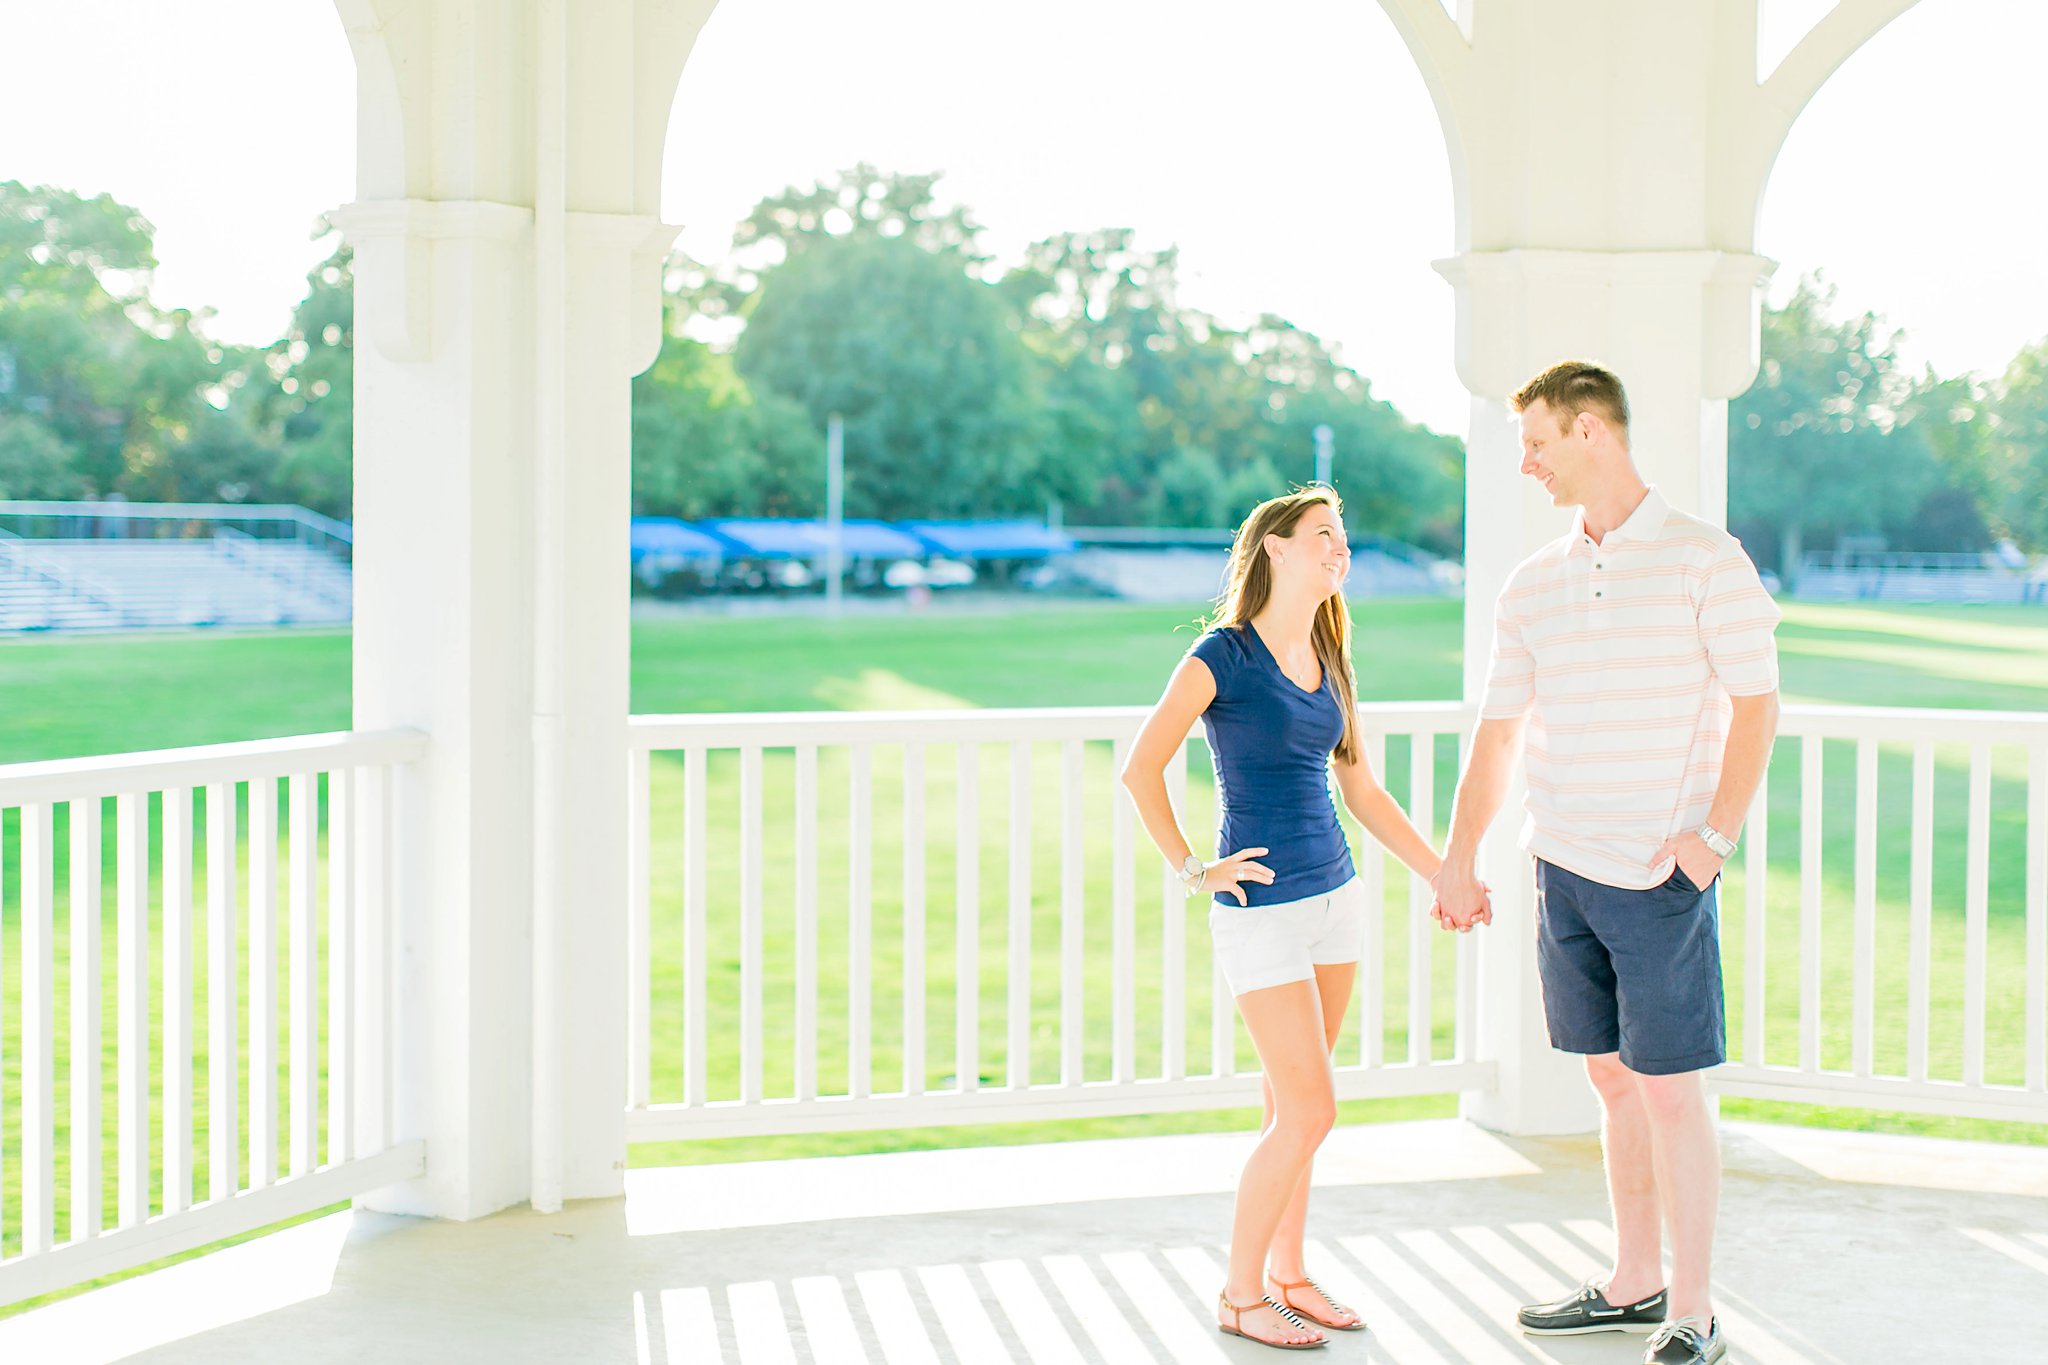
[(1885, 937), (779, 985), (1867, 1020), (280, 1132)]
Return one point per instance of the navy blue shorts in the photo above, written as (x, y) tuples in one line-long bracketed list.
[(1633, 972)]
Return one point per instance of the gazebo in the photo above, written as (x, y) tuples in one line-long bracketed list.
[(494, 819)]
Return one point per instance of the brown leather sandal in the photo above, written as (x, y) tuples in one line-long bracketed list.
[(1357, 1323), (1235, 1327)]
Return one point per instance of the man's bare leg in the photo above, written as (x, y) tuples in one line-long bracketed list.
[(1628, 1147)]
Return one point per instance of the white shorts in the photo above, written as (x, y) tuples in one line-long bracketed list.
[(1270, 945)]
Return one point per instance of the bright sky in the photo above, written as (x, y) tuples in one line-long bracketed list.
[(1295, 161)]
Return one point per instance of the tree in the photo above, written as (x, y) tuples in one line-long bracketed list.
[(34, 462), (1948, 419), (704, 445), (860, 203), (2020, 443), (308, 404), (1813, 446), (125, 389), (940, 398)]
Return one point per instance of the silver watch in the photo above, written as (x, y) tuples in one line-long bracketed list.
[(1191, 871), (1723, 846)]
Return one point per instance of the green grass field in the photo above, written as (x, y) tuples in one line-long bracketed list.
[(74, 697)]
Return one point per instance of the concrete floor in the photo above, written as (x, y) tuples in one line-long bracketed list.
[(1835, 1248)]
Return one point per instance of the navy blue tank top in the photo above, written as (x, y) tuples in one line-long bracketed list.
[(1271, 743)]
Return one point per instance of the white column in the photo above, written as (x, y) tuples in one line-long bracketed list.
[(443, 521), (612, 331), (1539, 1090)]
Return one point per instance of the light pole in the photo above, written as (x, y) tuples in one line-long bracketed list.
[(835, 509), (1323, 436)]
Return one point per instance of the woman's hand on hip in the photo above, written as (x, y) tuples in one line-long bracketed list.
[(1226, 874)]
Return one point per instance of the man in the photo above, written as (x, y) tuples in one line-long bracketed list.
[(1637, 652)]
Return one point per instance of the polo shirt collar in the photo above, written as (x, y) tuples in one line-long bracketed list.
[(1642, 524)]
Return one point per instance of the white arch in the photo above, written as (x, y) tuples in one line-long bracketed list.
[(1781, 99), (1442, 52)]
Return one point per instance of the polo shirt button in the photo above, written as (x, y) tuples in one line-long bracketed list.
[(1596, 594)]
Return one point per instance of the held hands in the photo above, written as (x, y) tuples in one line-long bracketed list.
[(1462, 900), (1694, 858), (1225, 874)]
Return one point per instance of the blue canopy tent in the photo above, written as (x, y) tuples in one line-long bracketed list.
[(990, 539), (773, 538), (671, 538)]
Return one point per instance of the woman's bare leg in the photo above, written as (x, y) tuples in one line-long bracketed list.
[(1287, 1028), (1284, 1256)]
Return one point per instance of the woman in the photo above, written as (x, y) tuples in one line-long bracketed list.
[(1272, 680)]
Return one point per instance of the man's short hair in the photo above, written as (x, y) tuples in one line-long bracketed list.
[(1573, 387)]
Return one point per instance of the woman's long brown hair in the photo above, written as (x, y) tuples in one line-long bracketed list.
[(1250, 582)]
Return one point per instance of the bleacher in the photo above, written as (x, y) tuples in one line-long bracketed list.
[(1878, 576), (100, 567)]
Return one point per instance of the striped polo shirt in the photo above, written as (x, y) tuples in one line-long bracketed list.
[(1623, 656)]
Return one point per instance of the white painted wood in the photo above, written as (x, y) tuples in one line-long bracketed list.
[(341, 979), (371, 933), (1222, 1023), (1175, 909), (223, 993), (1841, 1089), (806, 921), (750, 924), (695, 967), (74, 779), (38, 1030), (1810, 801), (1466, 946), (1017, 1045), (639, 932), (967, 919), (1073, 922), (2037, 916), (4, 1184), (1756, 895), (913, 919), (996, 725), (1976, 913), (262, 1023), (131, 1042), (176, 1057), (1863, 1029), (1097, 1099), (302, 797), (76, 1262), (1422, 930), (82, 908), (860, 931), (1372, 964), (1123, 932), (1920, 946)]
